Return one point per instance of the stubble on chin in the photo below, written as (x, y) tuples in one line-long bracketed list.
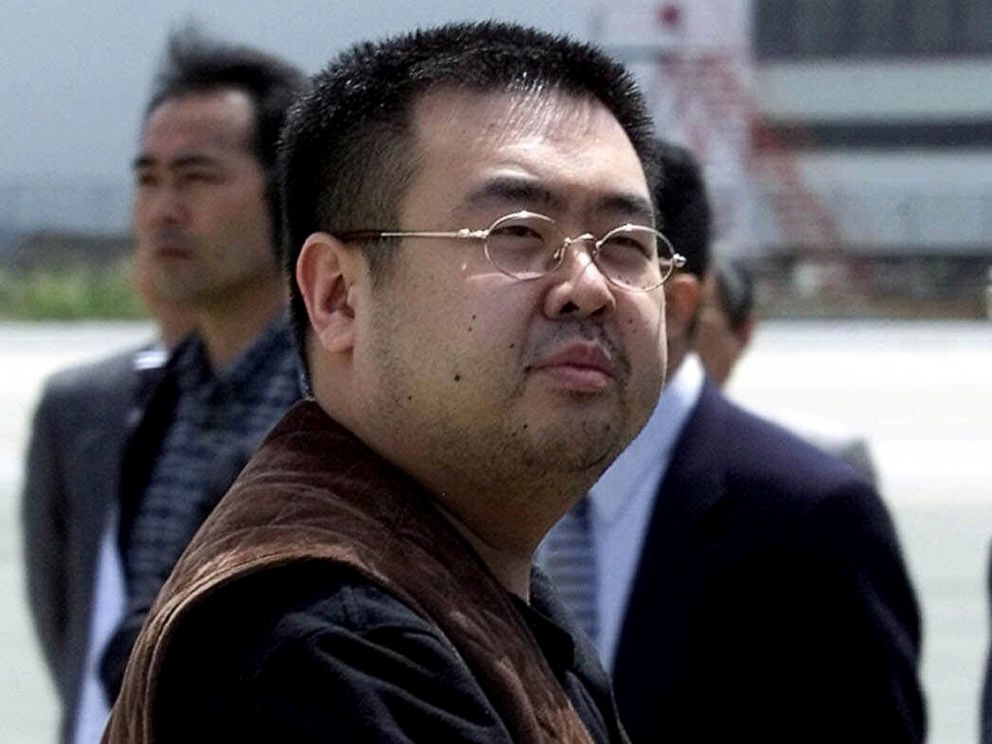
[(572, 439)]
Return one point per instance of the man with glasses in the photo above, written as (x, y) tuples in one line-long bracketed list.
[(477, 294)]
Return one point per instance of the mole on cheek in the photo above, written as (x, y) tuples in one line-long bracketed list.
[(458, 378)]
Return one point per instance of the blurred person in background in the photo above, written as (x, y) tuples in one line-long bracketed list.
[(139, 448), (740, 584), (173, 320), (726, 319), (725, 327), (71, 483)]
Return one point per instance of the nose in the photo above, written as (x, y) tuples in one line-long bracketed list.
[(578, 288), (161, 206)]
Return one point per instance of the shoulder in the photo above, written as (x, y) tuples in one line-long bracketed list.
[(94, 394), (91, 378), (303, 649), (775, 459), (780, 490), (772, 485), (846, 445), (289, 608)]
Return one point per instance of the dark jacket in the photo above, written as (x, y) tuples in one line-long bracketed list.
[(313, 492), (771, 602), (82, 424)]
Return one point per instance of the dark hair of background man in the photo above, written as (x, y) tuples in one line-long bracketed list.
[(194, 63), (734, 292), (683, 207), (347, 155)]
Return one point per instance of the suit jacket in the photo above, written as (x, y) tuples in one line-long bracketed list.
[(985, 714), (72, 480), (97, 431), (850, 448), (771, 602)]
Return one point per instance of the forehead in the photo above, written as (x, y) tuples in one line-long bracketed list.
[(569, 149), (215, 121)]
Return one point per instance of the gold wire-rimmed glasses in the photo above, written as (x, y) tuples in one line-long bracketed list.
[(527, 245)]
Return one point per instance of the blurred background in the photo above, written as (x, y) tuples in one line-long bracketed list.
[(848, 148)]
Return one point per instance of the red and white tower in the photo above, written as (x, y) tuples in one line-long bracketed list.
[(694, 61)]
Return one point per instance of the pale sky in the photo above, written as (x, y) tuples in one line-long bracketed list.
[(74, 75)]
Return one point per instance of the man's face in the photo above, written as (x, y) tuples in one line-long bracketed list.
[(199, 212), (474, 369), (715, 342)]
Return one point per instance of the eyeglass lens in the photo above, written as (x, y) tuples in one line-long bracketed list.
[(526, 246)]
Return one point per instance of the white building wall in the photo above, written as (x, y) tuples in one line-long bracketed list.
[(884, 200), (859, 89)]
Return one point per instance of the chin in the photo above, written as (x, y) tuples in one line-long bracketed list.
[(586, 443)]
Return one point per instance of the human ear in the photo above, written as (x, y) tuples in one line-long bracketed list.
[(682, 292), (326, 271)]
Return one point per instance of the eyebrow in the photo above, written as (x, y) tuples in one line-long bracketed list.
[(634, 207), (512, 189), (183, 161), (517, 189)]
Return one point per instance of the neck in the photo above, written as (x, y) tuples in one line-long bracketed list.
[(504, 519), (510, 565), (506, 530), (511, 568), (229, 327)]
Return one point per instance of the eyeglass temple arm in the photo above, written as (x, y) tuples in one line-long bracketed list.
[(463, 233)]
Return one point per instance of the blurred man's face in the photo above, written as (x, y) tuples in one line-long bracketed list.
[(716, 343), (173, 319), (200, 213)]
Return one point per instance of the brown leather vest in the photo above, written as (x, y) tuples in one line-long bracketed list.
[(313, 491)]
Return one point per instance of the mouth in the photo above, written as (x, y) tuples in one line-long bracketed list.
[(582, 367), (169, 242), (171, 249)]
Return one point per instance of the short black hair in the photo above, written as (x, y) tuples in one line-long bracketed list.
[(194, 63), (734, 292), (347, 155), (682, 206)]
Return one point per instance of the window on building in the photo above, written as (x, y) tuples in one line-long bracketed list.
[(976, 25), (876, 27), (844, 28), (931, 27), (774, 28), (821, 26)]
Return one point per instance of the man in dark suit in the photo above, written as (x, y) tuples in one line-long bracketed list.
[(129, 455), (750, 587)]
